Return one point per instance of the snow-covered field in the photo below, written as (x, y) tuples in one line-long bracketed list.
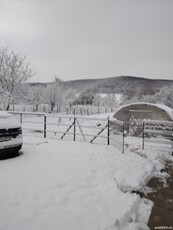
[(69, 185)]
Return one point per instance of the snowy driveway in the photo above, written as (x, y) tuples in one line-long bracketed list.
[(67, 185)]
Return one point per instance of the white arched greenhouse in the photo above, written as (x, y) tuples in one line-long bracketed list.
[(134, 113)]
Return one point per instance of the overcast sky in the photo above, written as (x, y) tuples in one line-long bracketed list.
[(77, 39)]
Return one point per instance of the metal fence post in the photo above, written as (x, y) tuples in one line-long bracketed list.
[(108, 140), (44, 126), (74, 128), (123, 137), (20, 118), (172, 141), (143, 135)]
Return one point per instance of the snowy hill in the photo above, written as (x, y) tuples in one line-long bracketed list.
[(122, 84)]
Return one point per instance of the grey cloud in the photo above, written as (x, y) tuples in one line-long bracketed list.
[(91, 38)]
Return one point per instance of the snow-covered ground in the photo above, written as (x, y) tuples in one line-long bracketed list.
[(69, 185)]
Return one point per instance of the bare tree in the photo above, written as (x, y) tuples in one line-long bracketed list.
[(14, 70)]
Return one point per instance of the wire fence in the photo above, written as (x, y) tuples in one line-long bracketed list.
[(82, 110), (73, 127), (93, 129), (157, 131)]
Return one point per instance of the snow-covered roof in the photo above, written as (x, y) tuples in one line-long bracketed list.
[(118, 96), (167, 109), (8, 121)]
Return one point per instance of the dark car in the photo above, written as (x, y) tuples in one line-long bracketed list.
[(10, 134)]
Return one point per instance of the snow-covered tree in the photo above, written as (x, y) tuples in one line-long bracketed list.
[(85, 98), (70, 96), (163, 96), (135, 126), (14, 70), (36, 94), (55, 94), (97, 101)]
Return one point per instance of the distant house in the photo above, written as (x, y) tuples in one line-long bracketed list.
[(142, 110), (117, 96)]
